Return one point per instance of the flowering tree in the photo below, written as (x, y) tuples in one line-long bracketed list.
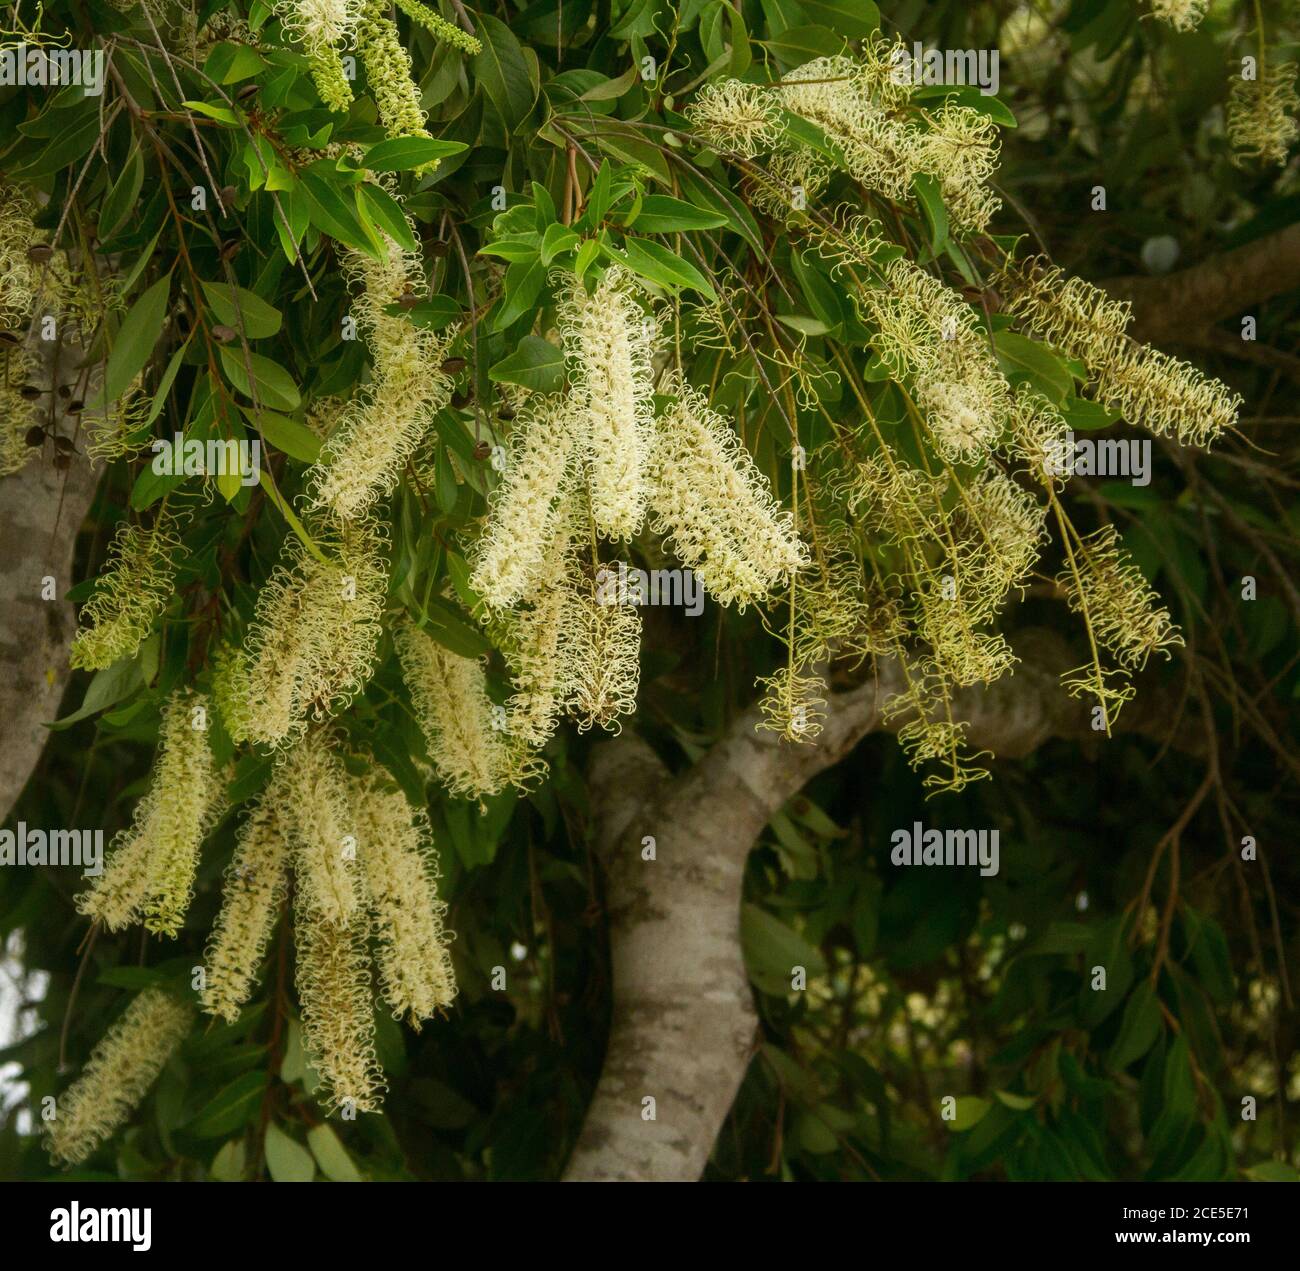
[(519, 451)]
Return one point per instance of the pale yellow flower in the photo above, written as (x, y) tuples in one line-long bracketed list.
[(121, 1068), (609, 339), (129, 596), (466, 736), (255, 886), (151, 865), (715, 507), (399, 871)]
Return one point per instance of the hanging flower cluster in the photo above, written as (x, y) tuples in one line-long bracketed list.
[(328, 29), (363, 874), (596, 463), (906, 547), (1263, 115), (964, 535), (1149, 388), (363, 871), (149, 873), (118, 1074), (130, 594), (1182, 15), (388, 65), (381, 427), (863, 107)]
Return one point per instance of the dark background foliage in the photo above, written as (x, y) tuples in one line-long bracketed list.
[(1123, 851)]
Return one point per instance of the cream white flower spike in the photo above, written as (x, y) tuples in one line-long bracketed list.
[(149, 874), (121, 1068), (715, 507), (609, 339)]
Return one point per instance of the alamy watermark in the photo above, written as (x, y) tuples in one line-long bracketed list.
[(1099, 457), (631, 586), (978, 67), (25, 846), (190, 457), (919, 846), (43, 66), (131, 1226)]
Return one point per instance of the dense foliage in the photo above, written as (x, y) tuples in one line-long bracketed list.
[(424, 269)]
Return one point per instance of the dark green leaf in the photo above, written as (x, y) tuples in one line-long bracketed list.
[(401, 154), (135, 340), (660, 265), (536, 364), (237, 306), (504, 72), (661, 214)]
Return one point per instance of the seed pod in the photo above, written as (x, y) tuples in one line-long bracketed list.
[(248, 90), (34, 436), (453, 366), (29, 392), (230, 249), (224, 334), (481, 450), (439, 247), (460, 400), (39, 253), (63, 445)]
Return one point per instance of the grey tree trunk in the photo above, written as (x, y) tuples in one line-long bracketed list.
[(41, 512), (684, 1025)]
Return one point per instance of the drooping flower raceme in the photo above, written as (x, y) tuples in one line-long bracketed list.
[(445, 31), (523, 511), (541, 636), (322, 828), (315, 635), (604, 660), (398, 872), (331, 926), (1151, 388), (383, 425), (467, 738), (1119, 602), (337, 999), (129, 595), (255, 886), (151, 865), (1261, 119), (715, 507), (324, 27), (608, 339), (121, 1068)]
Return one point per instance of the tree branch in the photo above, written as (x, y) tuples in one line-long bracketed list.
[(1178, 307), (683, 1023)]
